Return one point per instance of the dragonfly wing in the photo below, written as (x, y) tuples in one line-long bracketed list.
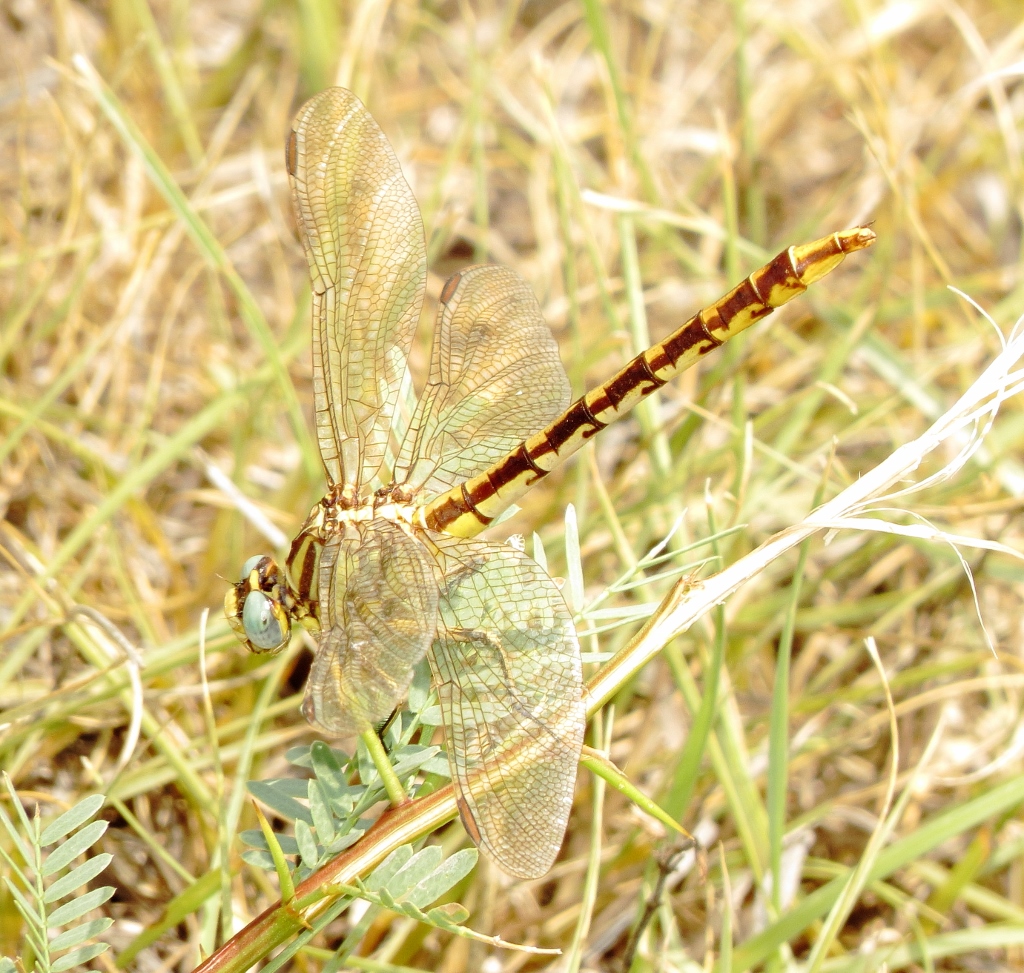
[(506, 666), (495, 379), (378, 617), (363, 236)]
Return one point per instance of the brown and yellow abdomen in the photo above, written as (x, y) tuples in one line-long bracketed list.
[(466, 509)]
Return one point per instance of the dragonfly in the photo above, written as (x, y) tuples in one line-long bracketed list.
[(387, 568)]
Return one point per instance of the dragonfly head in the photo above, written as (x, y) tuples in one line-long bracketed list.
[(255, 606)]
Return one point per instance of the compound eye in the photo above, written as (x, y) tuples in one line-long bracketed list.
[(266, 627), (249, 565)]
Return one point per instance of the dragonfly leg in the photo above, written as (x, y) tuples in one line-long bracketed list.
[(383, 727)]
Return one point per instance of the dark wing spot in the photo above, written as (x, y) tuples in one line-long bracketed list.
[(291, 153), (450, 286)]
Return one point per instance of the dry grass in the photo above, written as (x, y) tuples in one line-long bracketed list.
[(132, 362)]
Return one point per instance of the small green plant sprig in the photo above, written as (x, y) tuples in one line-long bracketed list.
[(332, 817), (39, 881), (327, 811)]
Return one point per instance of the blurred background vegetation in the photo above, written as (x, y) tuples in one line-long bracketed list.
[(141, 339)]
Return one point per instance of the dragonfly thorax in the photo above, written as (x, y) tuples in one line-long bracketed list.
[(264, 602), (392, 503)]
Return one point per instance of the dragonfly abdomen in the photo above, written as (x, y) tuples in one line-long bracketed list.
[(468, 508)]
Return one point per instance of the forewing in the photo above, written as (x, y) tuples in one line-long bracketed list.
[(363, 236), (378, 617), (506, 666), (495, 379)]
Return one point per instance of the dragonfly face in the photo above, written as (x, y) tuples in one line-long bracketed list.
[(262, 605), (255, 606), (386, 569)]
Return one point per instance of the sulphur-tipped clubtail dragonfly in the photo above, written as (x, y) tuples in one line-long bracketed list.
[(385, 576)]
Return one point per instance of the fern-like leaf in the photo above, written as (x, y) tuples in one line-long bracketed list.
[(404, 883), (69, 836)]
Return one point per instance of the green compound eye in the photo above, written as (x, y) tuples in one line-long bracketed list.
[(249, 565), (263, 627)]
